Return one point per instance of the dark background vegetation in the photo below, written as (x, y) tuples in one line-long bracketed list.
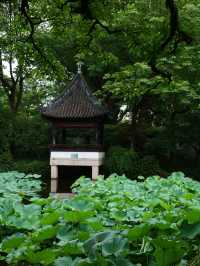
[(143, 55)]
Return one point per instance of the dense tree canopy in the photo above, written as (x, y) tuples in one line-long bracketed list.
[(140, 54), (124, 38), (142, 59)]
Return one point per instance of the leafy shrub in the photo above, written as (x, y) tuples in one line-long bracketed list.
[(40, 167), (125, 161), (30, 137), (24, 136), (5, 154), (115, 221), (147, 166), (176, 145), (6, 161), (118, 134), (120, 160)]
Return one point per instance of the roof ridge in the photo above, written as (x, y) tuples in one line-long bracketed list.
[(93, 98), (76, 101)]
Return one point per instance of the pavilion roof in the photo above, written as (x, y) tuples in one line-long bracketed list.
[(76, 102)]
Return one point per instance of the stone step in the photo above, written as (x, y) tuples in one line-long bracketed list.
[(61, 195)]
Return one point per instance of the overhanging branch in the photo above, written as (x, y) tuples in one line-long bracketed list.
[(175, 34), (24, 11)]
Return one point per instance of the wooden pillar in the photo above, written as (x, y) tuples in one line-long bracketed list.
[(54, 178), (95, 172)]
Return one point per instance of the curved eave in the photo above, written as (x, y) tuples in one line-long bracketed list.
[(76, 102)]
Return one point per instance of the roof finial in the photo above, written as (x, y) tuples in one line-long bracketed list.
[(79, 65)]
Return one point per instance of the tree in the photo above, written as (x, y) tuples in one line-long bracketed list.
[(142, 54), (22, 52)]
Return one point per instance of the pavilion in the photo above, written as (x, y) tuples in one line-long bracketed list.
[(78, 112)]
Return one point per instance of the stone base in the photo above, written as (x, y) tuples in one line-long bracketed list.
[(93, 159), (61, 195)]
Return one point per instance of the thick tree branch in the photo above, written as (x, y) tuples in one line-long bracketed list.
[(157, 71), (4, 81), (174, 34), (84, 10), (11, 68), (171, 6), (1, 68), (24, 11), (20, 89), (106, 28), (175, 31)]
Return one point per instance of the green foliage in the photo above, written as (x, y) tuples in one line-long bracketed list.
[(118, 41), (176, 146), (31, 137), (6, 160), (126, 161), (120, 160), (132, 82), (108, 222), (40, 167), (15, 184), (5, 154), (117, 135), (32, 166), (148, 165), (24, 144)]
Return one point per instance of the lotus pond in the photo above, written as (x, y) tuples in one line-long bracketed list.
[(116, 221)]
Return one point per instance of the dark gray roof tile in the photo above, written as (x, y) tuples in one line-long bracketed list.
[(76, 102)]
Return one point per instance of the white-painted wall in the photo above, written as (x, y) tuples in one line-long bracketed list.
[(77, 155)]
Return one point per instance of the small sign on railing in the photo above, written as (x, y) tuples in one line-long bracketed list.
[(74, 155)]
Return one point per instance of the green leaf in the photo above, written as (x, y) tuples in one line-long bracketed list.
[(138, 232), (77, 216), (63, 261), (92, 244), (114, 246), (123, 262), (192, 215), (12, 242), (82, 235), (190, 230), (50, 218), (45, 233), (72, 248), (44, 257), (65, 233), (168, 252)]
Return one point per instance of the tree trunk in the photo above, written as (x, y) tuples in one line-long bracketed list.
[(12, 86), (134, 112)]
